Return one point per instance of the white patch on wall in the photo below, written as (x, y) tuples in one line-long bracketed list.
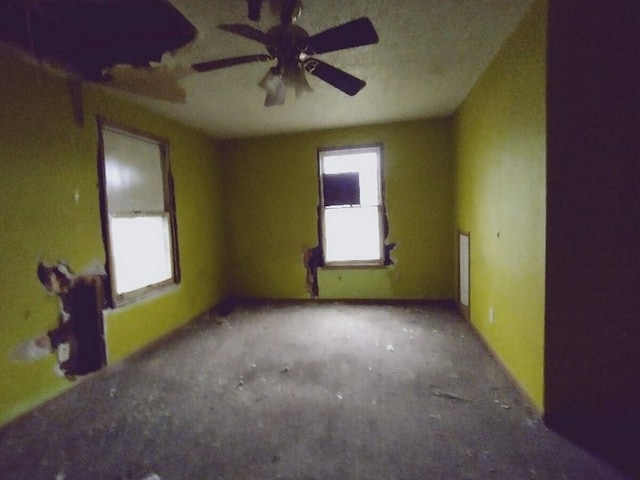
[(464, 269)]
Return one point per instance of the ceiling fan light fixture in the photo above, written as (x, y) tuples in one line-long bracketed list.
[(271, 82), (296, 78), (276, 98), (293, 76), (303, 90)]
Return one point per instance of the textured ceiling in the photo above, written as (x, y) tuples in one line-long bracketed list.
[(430, 54)]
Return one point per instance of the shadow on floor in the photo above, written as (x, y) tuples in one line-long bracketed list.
[(616, 442)]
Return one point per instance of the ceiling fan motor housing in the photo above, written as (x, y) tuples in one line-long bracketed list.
[(286, 46)]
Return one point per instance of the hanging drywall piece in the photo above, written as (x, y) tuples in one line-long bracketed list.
[(388, 247), (312, 259)]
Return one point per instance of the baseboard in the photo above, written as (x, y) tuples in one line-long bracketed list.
[(514, 381), (229, 303)]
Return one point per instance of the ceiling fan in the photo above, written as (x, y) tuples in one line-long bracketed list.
[(294, 50)]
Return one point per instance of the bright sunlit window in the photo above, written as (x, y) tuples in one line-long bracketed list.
[(138, 213), (352, 206)]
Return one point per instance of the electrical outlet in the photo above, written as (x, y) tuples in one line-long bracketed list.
[(491, 315)]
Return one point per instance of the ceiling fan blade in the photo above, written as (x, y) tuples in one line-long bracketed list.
[(355, 33), (229, 62), (334, 76), (247, 31)]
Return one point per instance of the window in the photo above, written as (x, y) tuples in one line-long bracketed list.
[(138, 213), (352, 215)]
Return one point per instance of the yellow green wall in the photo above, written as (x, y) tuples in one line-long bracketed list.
[(500, 190), (545, 200), (45, 159), (271, 192)]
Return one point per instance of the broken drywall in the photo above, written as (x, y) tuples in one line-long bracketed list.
[(78, 339), (312, 259)]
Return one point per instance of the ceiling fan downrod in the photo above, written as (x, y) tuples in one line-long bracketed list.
[(288, 10)]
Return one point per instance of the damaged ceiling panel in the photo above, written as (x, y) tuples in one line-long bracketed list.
[(90, 36), (429, 55)]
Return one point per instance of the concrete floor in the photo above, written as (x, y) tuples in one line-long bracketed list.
[(322, 391)]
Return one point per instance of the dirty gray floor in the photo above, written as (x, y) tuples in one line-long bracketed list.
[(322, 391)]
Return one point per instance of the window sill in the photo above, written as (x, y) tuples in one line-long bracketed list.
[(144, 294), (353, 265)]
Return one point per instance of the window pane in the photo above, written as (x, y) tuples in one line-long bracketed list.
[(341, 189), (365, 163), (352, 234), (133, 173), (141, 251)]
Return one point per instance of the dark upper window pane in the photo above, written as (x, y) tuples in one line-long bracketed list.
[(341, 189)]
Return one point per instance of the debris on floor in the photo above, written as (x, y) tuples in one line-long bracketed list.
[(223, 322), (176, 409), (506, 406), (449, 396), (390, 348)]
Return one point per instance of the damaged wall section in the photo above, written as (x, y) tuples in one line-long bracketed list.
[(78, 340)]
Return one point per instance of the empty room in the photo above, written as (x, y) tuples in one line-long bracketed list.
[(319, 240)]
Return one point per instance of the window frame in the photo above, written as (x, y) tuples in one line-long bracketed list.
[(381, 261), (116, 299)]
